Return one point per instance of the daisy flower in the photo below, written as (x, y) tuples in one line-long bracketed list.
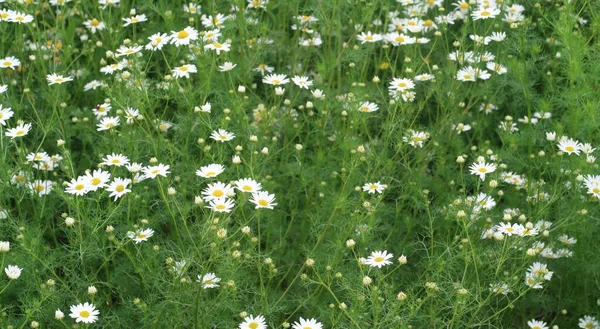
[(126, 51), (110, 69), (86, 313), (18, 131), (157, 41), (94, 25), (369, 37), (9, 62), (262, 68), (307, 324), (20, 18), (5, 114), (93, 85), (262, 199), (248, 185), (213, 21), (210, 171), (183, 37), (78, 186), (208, 280), (191, 8), (101, 110), (379, 259), (97, 179), (221, 204), (134, 19), (158, 170), (276, 79), (12, 272), (108, 123), (588, 322), (368, 107), (485, 12), (217, 190), (481, 169), (251, 322), (118, 187), (227, 66), (569, 146), (376, 187), (141, 235), (115, 160), (54, 78), (184, 71), (466, 74), (218, 47), (41, 187), (59, 2), (222, 135), (302, 82)]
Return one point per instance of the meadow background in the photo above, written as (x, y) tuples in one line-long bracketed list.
[(423, 164)]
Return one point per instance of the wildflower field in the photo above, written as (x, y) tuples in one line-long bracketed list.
[(315, 164)]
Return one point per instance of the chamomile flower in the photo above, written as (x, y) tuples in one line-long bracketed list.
[(134, 19), (217, 190), (94, 25), (379, 259), (534, 324), (97, 179), (41, 187), (218, 47), (141, 235), (13, 272), (227, 66), (117, 160), (118, 187), (10, 62), (5, 114), (18, 131), (251, 322), (276, 79), (158, 170), (54, 78), (184, 71), (307, 324), (248, 185), (485, 12), (78, 186), (302, 82), (86, 313), (101, 110), (588, 322), (191, 8), (263, 199), (107, 123), (372, 188), (210, 171), (157, 41), (213, 21), (222, 135), (184, 37), (368, 107), (93, 85), (482, 168), (369, 37), (208, 280), (221, 204), (126, 51), (569, 146)]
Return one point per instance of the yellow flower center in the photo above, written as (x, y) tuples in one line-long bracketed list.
[(96, 181), (95, 22), (79, 187), (263, 203), (569, 148), (247, 188), (467, 76), (182, 34), (120, 188), (7, 63), (369, 37), (220, 206), (141, 236), (58, 80), (39, 188), (276, 81), (210, 174), (218, 45), (183, 68), (464, 6), (155, 171), (482, 170), (115, 161), (218, 193), (20, 133), (379, 259), (253, 325), (485, 13), (84, 314)]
